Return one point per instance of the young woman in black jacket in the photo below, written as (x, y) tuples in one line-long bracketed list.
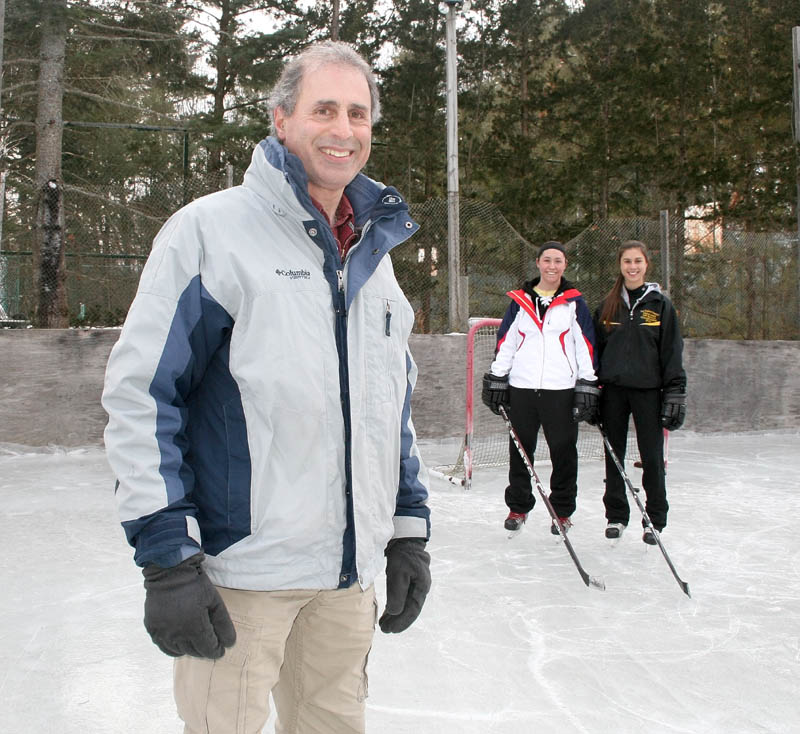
[(640, 354)]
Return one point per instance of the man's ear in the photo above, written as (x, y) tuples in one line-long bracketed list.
[(279, 116)]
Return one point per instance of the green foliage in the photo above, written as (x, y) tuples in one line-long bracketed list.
[(569, 113), (410, 150)]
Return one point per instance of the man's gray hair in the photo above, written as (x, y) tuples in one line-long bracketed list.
[(287, 89)]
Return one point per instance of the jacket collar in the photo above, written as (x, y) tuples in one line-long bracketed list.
[(649, 288), (273, 168), (565, 291), (278, 176)]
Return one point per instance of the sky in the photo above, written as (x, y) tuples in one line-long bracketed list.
[(510, 639)]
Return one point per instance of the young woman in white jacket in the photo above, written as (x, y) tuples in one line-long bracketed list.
[(543, 373)]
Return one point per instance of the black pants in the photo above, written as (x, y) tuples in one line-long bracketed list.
[(552, 411), (616, 406)]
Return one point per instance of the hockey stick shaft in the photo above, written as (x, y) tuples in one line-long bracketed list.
[(587, 579), (447, 477), (613, 454)]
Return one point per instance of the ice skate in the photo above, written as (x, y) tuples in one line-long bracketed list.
[(565, 523), (649, 536), (514, 522)]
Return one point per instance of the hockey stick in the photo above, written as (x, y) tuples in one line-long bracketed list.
[(684, 586), (587, 579), (447, 477)]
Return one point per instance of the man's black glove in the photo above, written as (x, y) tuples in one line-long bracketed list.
[(183, 611), (495, 392), (673, 409), (585, 407), (408, 579)]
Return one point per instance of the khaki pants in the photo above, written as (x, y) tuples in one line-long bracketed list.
[(309, 648)]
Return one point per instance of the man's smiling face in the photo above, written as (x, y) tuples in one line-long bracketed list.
[(330, 129)]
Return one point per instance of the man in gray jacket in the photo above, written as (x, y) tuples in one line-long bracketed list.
[(259, 422)]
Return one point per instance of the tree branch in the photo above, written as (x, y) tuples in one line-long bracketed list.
[(118, 103)]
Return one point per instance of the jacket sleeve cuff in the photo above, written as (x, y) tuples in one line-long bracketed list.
[(408, 526), (165, 539)]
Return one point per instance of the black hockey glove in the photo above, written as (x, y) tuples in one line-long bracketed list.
[(673, 410), (183, 611), (586, 405), (495, 392), (408, 580)]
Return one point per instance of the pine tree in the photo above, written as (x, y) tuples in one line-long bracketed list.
[(241, 63)]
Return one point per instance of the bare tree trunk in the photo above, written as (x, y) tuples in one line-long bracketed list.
[(223, 68), (2, 35), (524, 69), (49, 229), (605, 184), (52, 309), (335, 21)]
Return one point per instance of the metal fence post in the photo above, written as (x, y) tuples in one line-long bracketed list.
[(664, 219)]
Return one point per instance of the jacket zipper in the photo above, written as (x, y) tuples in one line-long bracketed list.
[(544, 360)]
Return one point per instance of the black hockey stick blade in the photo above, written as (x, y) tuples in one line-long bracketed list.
[(591, 581), (613, 454), (684, 586)]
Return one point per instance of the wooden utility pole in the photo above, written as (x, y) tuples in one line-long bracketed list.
[(335, 21), (457, 311)]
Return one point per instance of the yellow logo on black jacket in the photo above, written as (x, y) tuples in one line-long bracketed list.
[(650, 318)]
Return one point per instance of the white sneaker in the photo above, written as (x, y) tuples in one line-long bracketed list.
[(614, 530)]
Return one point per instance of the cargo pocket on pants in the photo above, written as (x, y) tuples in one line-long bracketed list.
[(363, 688), (212, 695)]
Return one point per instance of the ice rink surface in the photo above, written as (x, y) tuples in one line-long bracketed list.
[(510, 640)]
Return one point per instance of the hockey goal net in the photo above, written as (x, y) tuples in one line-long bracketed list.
[(486, 440)]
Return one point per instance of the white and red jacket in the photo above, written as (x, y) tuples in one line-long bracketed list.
[(551, 353)]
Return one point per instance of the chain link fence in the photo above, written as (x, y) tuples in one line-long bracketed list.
[(108, 233), (726, 282)]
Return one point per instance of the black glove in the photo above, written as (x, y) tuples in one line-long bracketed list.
[(408, 579), (673, 410), (585, 407), (495, 392), (183, 611)]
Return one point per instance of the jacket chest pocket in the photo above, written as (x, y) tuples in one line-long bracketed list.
[(385, 336)]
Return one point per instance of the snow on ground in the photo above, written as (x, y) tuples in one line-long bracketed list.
[(510, 640)]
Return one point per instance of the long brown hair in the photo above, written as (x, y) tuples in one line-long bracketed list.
[(613, 301)]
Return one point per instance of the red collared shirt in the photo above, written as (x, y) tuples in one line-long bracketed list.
[(344, 228)]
